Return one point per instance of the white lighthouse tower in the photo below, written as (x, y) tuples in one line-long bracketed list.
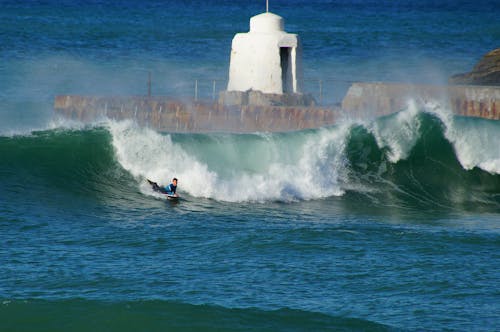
[(266, 59)]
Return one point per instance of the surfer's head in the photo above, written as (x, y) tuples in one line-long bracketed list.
[(174, 181)]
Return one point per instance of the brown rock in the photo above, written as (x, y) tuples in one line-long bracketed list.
[(486, 72)]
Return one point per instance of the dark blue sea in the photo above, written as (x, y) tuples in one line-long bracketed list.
[(386, 224)]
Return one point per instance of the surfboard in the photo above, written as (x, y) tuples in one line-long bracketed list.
[(172, 198)]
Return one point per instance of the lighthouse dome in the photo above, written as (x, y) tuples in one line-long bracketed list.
[(267, 22), (266, 59)]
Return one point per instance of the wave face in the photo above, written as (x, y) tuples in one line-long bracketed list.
[(163, 315), (413, 157)]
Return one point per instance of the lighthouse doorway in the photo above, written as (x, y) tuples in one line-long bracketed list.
[(286, 69)]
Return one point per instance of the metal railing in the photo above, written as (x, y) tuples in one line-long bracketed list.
[(207, 88), (325, 91)]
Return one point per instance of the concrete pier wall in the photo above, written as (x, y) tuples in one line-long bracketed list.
[(363, 100), (165, 114), (386, 98)]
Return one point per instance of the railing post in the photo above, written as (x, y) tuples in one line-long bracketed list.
[(320, 91), (149, 84), (196, 90)]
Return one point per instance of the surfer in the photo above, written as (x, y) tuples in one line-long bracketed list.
[(169, 190)]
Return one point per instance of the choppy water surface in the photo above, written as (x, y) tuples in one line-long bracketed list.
[(386, 224)]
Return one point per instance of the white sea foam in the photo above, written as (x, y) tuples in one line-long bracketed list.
[(313, 173), (398, 133), (475, 141)]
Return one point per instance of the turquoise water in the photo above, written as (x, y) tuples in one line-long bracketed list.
[(382, 225)]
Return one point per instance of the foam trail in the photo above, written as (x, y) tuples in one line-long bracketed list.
[(475, 141), (313, 172)]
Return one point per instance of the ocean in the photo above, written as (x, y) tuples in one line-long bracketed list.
[(383, 224)]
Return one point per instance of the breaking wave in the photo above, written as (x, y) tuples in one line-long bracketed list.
[(428, 156)]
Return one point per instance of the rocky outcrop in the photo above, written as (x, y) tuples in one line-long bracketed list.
[(486, 72)]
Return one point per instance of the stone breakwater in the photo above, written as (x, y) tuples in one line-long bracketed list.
[(363, 100), (385, 98), (169, 115)]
